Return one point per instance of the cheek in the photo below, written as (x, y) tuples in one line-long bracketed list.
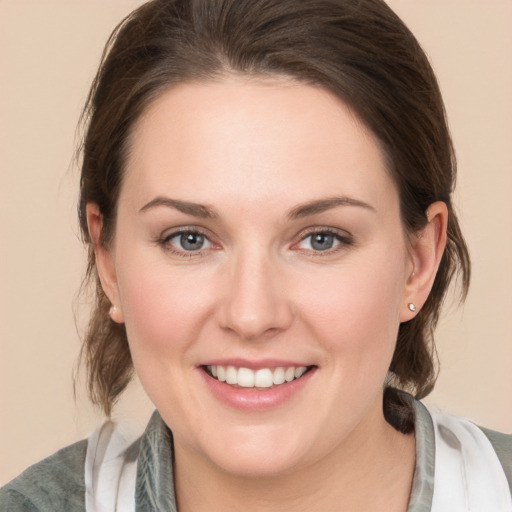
[(356, 310), (162, 309), (163, 313)]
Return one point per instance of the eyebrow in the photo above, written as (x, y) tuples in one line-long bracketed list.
[(195, 209), (300, 211), (322, 205)]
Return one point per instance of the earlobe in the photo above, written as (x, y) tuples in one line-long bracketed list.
[(426, 251), (104, 259), (115, 314)]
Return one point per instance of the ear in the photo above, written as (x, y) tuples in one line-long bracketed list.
[(104, 259), (426, 250)]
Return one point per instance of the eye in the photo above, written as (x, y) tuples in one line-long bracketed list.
[(323, 241), (187, 241)]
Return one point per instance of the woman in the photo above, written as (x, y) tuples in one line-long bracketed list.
[(266, 195)]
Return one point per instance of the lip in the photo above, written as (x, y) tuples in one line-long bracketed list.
[(255, 365), (252, 399)]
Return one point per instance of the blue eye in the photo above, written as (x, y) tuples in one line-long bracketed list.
[(188, 241), (322, 241)]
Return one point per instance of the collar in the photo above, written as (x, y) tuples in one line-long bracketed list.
[(154, 488), (155, 477)]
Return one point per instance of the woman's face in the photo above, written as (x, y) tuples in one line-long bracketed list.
[(259, 239)]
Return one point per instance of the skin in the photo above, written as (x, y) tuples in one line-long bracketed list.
[(253, 152)]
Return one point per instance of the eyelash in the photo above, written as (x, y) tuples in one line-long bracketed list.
[(164, 242), (344, 241)]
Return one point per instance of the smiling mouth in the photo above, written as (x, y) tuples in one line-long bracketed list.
[(264, 378)]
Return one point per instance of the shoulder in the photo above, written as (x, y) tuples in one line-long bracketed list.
[(502, 444), (480, 450), (54, 484)]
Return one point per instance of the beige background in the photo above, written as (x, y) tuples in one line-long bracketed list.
[(49, 50)]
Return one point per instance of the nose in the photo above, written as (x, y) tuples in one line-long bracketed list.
[(255, 305)]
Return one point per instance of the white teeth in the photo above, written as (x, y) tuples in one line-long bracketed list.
[(299, 372), (245, 378), (231, 375), (278, 377), (262, 378)]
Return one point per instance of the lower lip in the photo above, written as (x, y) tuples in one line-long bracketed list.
[(252, 399)]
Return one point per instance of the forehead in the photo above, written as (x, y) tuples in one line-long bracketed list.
[(252, 140)]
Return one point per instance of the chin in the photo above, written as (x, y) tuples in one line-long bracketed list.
[(258, 464), (260, 454)]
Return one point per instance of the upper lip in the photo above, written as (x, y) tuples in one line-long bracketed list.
[(254, 364)]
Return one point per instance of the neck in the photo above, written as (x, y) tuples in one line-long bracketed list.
[(372, 470)]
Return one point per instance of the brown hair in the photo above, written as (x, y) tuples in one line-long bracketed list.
[(359, 50)]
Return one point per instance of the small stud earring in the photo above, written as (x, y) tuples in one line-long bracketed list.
[(411, 306), (112, 310)]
